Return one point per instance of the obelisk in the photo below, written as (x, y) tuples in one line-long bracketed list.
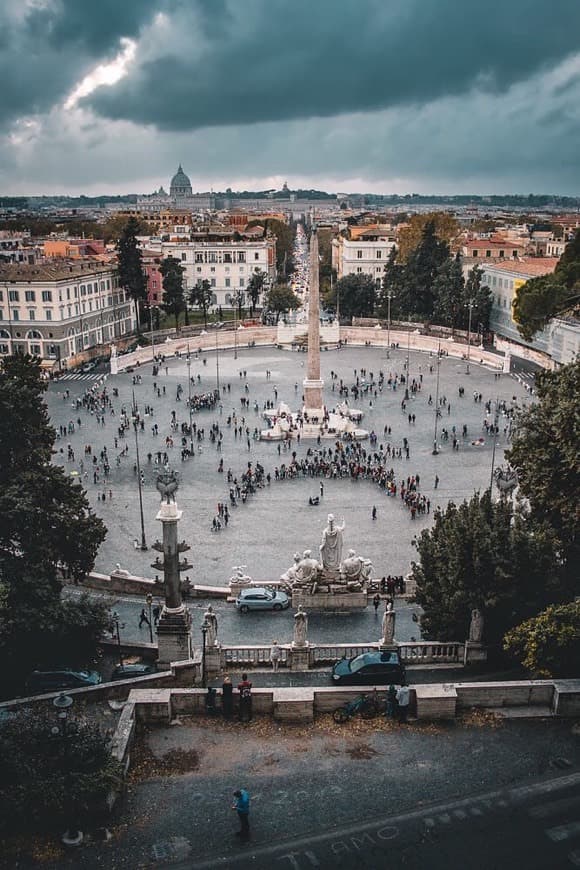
[(313, 402)]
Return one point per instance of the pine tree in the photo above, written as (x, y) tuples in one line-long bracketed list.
[(421, 270), (448, 293), (173, 299), (130, 265)]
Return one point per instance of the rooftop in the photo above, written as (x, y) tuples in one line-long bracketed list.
[(530, 268), (53, 271)]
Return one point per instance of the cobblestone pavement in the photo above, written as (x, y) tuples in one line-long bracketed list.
[(277, 521)]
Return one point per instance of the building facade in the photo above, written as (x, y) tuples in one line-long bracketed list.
[(366, 255), (227, 265), (62, 312), (560, 340)]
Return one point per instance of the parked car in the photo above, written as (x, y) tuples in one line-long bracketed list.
[(370, 669), (89, 367), (126, 672), (260, 598), (50, 681)]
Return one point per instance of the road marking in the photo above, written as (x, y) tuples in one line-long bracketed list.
[(563, 832)]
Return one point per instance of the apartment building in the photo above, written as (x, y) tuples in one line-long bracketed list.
[(366, 254)]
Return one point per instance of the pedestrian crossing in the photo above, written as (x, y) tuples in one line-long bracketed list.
[(80, 377), (556, 818)]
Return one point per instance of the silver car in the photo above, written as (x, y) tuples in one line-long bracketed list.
[(260, 598)]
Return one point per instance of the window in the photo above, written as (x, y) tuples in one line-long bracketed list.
[(257, 255), (212, 282), (48, 314), (15, 314), (212, 268), (68, 292), (199, 258), (1, 296), (241, 256), (502, 253), (47, 295), (488, 253), (199, 269), (359, 270), (228, 282), (31, 314), (212, 257), (242, 282), (514, 254), (83, 290), (35, 349), (227, 257), (184, 256), (3, 348), (379, 255), (76, 295), (359, 255), (13, 296), (30, 295), (474, 253)]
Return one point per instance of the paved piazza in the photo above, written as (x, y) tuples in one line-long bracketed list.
[(275, 522)]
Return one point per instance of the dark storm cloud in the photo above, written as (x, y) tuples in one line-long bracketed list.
[(231, 62), (46, 48)]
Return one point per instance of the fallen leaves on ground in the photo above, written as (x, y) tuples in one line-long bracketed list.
[(480, 719)]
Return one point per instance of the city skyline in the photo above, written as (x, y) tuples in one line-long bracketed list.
[(383, 97)]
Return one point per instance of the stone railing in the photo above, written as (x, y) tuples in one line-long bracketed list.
[(323, 655), (432, 652), (251, 656)]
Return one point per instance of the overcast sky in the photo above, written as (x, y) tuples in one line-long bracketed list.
[(403, 96)]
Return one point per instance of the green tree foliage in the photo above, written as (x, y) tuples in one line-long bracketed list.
[(483, 554), (284, 243), (49, 780), (46, 524), (356, 296), (202, 296), (541, 299), (280, 300), (545, 451), (255, 286), (448, 292), (112, 230), (130, 263), (173, 298), (480, 295), (423, 264), (410, 237), (394, 283), (548, 645)]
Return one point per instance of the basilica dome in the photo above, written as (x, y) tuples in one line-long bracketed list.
[(180, 184)]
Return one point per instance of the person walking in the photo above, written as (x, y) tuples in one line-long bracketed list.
[(403, 695), (374, 513), (376, 601), (391, 708), (245, 690), (143, 618), (242, 807), (275, 655)]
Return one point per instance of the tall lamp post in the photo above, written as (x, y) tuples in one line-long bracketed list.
[(135, 420), (435, 450), (149, 600), (151, 307), (469, 305), (390, 295), (116, 630), (217, 358), (204, 631), (189, 399)]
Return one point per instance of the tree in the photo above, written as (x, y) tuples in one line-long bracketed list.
[(112, 230), (548, 645), (173, 299), (356, 294), (445, 227), (282, 299), (448, 292), (285, 234), (46, 526), (481, 298), (545, 453), (484, 554), (421, 270), (130, 265), (541, 299), (394, 283), (255, 286), (202, 296)]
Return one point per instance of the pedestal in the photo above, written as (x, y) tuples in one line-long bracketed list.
[(328, 602), (212, 661), (174, 636), (299, 658), (474, 652), (388, 647)]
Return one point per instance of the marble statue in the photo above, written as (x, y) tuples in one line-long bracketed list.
[(210, 620), (308, 568), (300, 627), (388, 625), (355, 568), (167, 484), (239, 578), (476, 626), (331, 546), (291, 575)]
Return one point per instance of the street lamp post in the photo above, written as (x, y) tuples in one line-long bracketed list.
[(149, 600), (408, 356), (117, 625), (204, 631), (217, 360), (135, 419), (151, 307), (435, 450), (495, 419), (73, 836), (189, 399), (390, 296), (469, 305)]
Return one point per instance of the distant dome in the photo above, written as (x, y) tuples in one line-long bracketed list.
[(180, 184)]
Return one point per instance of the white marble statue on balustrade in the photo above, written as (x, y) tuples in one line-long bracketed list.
[(300, 627), (331, 546), (388, 625), (239, 578), (210, 619), (476, 626)]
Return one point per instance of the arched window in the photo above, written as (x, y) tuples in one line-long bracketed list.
[(4, 333), (34, 334)]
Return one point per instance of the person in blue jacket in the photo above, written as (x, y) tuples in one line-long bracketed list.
[(242, 806)]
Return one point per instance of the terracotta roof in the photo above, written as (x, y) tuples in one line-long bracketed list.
[(53, 271), (531, 268)]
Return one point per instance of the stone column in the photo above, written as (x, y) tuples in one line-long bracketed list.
[(313, 401), (174, 626)]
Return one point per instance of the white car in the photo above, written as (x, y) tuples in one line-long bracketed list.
[(260, 598)]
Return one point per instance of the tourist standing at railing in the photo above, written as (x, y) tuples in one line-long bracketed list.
[(245, 690), (275, 655)]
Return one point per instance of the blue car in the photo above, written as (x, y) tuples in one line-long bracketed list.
[(260, 598), (370, 669)]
